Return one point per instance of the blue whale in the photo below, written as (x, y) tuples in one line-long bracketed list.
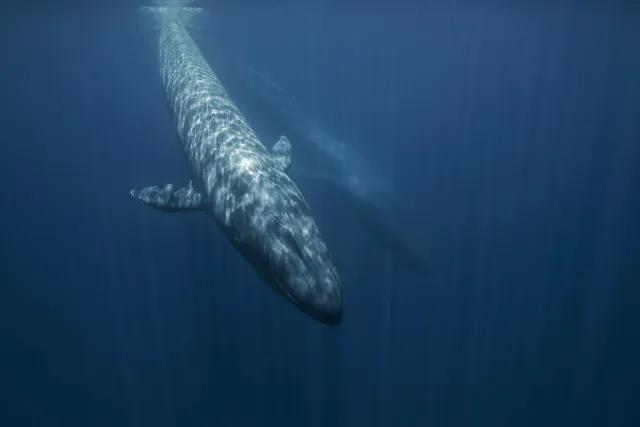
[(235, 180)]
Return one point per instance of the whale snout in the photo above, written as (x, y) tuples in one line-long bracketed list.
[(325, 305), (322, 298), (328, 314)]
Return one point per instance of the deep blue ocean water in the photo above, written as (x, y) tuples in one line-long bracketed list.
[(511, 134)]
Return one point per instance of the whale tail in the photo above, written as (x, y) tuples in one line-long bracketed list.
[(155, 15)]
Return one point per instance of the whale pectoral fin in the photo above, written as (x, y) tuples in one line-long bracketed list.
[(282, 153), (169, 198)]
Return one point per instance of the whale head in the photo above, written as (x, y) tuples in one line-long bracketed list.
[(302, 269), (278, 236)]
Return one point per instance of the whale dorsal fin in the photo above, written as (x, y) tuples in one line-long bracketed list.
[(282, 153), (169, 198)]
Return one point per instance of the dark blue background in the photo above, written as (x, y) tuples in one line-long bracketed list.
[(512, 134)]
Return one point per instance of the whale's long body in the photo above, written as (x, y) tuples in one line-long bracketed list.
[(238, 182)]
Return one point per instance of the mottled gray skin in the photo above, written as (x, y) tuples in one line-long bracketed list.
[(240, 184)]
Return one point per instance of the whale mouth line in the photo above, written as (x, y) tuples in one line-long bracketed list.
[(287, 293)]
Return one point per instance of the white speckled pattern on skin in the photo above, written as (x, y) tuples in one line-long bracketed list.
[(240, 183)]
